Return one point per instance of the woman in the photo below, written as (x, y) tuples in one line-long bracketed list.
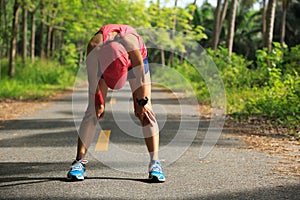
[(115, 54)]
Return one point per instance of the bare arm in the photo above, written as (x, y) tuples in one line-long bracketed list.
[(131, 44), (101, 88), (140, 89)]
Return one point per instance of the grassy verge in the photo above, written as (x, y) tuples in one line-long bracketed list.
[(37, 80)]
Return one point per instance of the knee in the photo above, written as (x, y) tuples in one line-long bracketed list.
[(90, 114)]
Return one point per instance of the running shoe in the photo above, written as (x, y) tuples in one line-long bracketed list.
[(156, 173), (77, 171)]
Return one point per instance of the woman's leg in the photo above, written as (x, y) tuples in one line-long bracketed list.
[(88, 125), (150, 131)]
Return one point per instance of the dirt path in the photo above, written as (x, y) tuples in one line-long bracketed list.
[(270, 140), (11, 109)]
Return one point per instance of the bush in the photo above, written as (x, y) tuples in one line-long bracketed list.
[(236, 71), (271, 89), (280, 98)]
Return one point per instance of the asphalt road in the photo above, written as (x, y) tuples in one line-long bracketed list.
[(37, 150)]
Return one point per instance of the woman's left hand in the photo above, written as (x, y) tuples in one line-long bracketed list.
[(145, 114)]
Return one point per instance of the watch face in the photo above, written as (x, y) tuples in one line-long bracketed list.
[(142, 102)]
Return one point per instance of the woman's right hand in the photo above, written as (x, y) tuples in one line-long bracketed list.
[(99, 104), (99, 110)]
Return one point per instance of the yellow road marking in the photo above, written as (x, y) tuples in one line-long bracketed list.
[(102, 143), (112, 101)]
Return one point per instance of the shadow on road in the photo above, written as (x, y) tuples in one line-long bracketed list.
[(53, 133), (49, 139), (16, 173), (36, 124), (15, 181)]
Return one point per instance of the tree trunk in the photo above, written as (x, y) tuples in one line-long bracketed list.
[(53, 41), (215, 39), (162, 53), (13, 43), (1, 28), (231, 27), (264, 10), (222, 17), (42, 27), (285, 4), (173, 33), (48, 50), (5, 30), (60, 44), (32, 40), (24, 49), (270, 18)]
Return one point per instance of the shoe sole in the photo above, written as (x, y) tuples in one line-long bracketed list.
[(155, 179), (75, 178)]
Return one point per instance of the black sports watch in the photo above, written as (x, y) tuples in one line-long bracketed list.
[(142, 102)]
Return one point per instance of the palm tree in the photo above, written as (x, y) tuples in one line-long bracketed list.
[(231, 26), (215, 39), (220, 14)]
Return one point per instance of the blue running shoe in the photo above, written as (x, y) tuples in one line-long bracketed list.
[(156, 173), (77, 171)]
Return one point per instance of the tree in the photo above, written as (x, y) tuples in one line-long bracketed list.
[(193, 11), (220, 14), (215, 39), (5, 30), (13, 43), (270, 18), (32, 10), (51, 16), (285, 4), (42, 29), (156, 21), (287, 29), (204, 16), (222, 17), (231, 26), (247, 35), (173, 29), (24, 34)]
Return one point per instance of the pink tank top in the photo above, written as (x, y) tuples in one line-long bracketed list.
[(123, 30)]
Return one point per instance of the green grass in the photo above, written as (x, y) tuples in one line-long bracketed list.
[(41, 79)]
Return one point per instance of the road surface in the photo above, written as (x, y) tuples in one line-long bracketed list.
[(37, 150)]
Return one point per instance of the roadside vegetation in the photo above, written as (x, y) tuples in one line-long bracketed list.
[(257, 52), (38, 80)]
